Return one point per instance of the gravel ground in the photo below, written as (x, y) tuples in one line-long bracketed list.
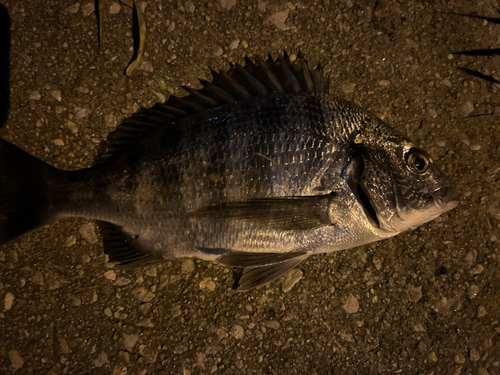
[(425, 302)]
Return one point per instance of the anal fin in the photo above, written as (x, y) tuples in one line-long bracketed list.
[(124, 249)]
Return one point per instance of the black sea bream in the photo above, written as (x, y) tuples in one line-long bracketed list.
[(259, 169)]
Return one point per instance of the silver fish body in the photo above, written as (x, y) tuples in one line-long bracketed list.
[(259, 182)]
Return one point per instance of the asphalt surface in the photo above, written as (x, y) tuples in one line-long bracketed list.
[(424, 302)]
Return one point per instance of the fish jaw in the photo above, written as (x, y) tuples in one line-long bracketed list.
[(409, 219)]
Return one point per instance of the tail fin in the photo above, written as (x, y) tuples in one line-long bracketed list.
[(24, 203)]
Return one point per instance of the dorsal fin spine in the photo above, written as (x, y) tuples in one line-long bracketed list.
[(256, 78)]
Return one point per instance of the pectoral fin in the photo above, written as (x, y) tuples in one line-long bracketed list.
[(286, 213)]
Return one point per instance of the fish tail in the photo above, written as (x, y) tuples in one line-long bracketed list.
[(24, 181)]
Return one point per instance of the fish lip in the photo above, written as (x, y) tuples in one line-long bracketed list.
[(442, 197)]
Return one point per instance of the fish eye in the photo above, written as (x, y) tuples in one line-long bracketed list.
[(417, 160)]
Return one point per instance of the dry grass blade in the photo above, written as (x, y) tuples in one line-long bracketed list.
[(129, 3), (99, 14), (142, 38)]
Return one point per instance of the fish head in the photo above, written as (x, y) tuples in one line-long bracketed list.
[(397, 185)]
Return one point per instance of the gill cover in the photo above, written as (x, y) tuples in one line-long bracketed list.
[(353, 173)]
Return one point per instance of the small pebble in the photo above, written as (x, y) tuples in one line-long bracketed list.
[(179, 349), (207, 283), (414, 293), (477, 270), (470, 258), (145, 322), (218, 52), (481, 311), (433, 357), (190, 7), (58, 142), (122, 281), (144, 307), (70, 241), (74, 8), (446, 82), (418, 327), (187, 266), (110, 121), (130, 341), (244, 44), (72, 127), (8, 301), (474, 355), (101, 360), (88, 232), (234, 44), (472, 291), (175, 311), (81, 112), (459, 358), (83, 89), (88, 9), (273, 324), (115, 8), (152, 272), (227, 4), (237, 332), (16, 360), (352, 305), (384, 82), (146, 66), (448, 305), (349, 88), (278, 19), (377, 263), (142, 294), (291, 278), (56, 94), (160, 96), (110, 275), (120, 315), (35, 95), (467, 108), (170, 26), (63, 346), (38, 278)]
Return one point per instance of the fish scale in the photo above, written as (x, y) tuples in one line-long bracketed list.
[(259, 169)]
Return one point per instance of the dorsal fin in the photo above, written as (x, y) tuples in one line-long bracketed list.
[(256, 78)]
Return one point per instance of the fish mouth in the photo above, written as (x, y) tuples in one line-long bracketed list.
[(442, 197), (364, 200)]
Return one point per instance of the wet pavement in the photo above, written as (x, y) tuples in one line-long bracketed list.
[(424, 302)]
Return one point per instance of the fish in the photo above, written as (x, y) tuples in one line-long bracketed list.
[(258, 170)]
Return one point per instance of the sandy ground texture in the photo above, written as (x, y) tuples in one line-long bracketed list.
[(425, 302)]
